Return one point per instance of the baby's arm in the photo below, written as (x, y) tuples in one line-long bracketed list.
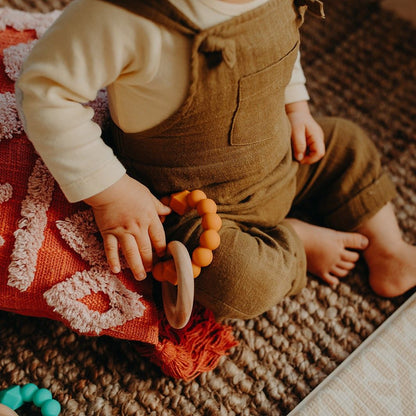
[(66, 69), (127, 215), (307, 136)]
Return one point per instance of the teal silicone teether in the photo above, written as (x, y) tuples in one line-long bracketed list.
[(14, 397), (27, 392)]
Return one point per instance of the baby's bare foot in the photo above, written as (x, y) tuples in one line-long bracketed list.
[(392, 271), (391, 260), (330, 254)]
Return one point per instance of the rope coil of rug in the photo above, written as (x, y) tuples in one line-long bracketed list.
[(360, 63)]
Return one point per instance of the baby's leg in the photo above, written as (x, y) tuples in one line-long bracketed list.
[(340, 192), (252, 269), (391, 261), (330, 254)]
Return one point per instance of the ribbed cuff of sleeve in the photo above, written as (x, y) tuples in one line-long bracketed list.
[(295, 93)]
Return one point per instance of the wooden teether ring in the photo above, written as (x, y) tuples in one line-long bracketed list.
[(178, 301)]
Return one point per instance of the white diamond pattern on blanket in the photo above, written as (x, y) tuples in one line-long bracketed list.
[(65, 298), (29, 235), (10, 124), (14, 57), (6, 191), (21, 20), (79, 231)]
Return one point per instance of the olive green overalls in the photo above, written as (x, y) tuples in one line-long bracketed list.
[(231, 138)]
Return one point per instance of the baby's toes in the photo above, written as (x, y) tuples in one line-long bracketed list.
[(355, 241), (330, 279), (346, 265), (339, 271), (350, 256)]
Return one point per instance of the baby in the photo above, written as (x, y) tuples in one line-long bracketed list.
[(210, 94)]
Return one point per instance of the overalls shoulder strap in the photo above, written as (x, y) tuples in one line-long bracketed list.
[(230, 136)]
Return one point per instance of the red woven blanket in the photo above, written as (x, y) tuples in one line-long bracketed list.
[(52, 262)]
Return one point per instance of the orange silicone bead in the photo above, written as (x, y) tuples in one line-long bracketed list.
[(202, 256), (206, 206), (211, 221), (165, 271), (210, 239), (178, 202), (194, 197), (196, 270)]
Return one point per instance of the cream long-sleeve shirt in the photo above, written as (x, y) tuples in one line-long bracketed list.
[(144, 67)]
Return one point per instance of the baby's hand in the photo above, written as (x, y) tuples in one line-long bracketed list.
[(127, 215), (307, 136)]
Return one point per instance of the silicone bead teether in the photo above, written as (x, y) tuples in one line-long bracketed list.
[(210, 239), (14, 397), (178, 311)]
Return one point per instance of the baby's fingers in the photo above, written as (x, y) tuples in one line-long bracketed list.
[(146, 251), (312, 156), (161, 209), (298, 143), (315, 144), (316, 151), (111, 252), (132, 254), (158, 238)]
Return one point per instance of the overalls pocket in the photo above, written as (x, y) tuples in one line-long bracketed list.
[(260, 104)]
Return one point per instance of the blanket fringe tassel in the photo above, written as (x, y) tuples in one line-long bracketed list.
[(188, 352)]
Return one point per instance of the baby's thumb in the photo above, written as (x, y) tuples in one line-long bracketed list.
[(161, 208)]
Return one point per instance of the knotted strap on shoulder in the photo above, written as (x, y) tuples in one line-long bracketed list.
[(224, 48), (315, 7)]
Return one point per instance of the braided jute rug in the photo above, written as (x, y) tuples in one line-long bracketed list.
[(361, 64)]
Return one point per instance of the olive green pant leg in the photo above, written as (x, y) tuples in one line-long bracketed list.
[(252, 269), (348, 185)]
